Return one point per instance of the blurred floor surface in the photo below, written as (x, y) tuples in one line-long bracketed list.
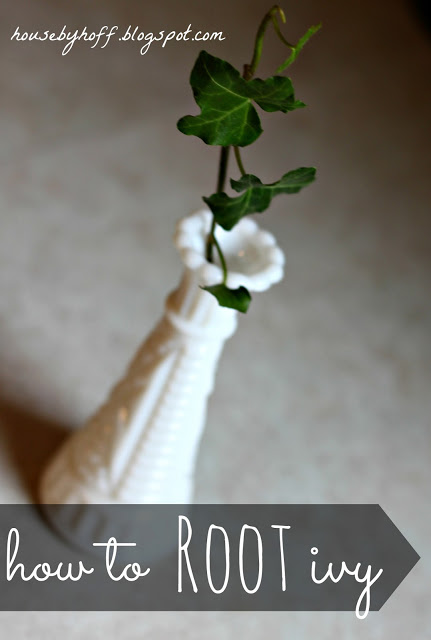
[(323, 395)]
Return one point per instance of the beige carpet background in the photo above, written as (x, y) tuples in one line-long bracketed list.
[(324, 393)]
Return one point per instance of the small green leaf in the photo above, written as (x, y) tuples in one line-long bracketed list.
[(256, 196), (228, 116), (238, 299), (274, 94)]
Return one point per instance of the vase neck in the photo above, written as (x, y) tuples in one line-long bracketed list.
[(195, 313)]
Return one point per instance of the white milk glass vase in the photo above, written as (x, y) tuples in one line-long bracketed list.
[(140, 447)]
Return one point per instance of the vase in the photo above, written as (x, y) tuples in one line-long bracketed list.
[(140, 446)]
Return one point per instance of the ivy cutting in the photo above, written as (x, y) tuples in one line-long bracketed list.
[(229, 119)]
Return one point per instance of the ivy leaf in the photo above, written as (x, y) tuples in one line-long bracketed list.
[(228, 116), (274, 94), (238, 299), (256, 196)]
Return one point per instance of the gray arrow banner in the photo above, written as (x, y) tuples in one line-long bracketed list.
[(200, 557)]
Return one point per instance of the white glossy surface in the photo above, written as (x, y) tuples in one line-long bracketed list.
[(252, 256)]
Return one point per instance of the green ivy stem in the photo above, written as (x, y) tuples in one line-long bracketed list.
[(271, 16), (222, 259), (277, 29), (222, 171), (239, 161), (248, 73), (224, 158), (297, 48)]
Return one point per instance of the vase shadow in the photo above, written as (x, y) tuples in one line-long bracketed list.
[(30, 440)]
